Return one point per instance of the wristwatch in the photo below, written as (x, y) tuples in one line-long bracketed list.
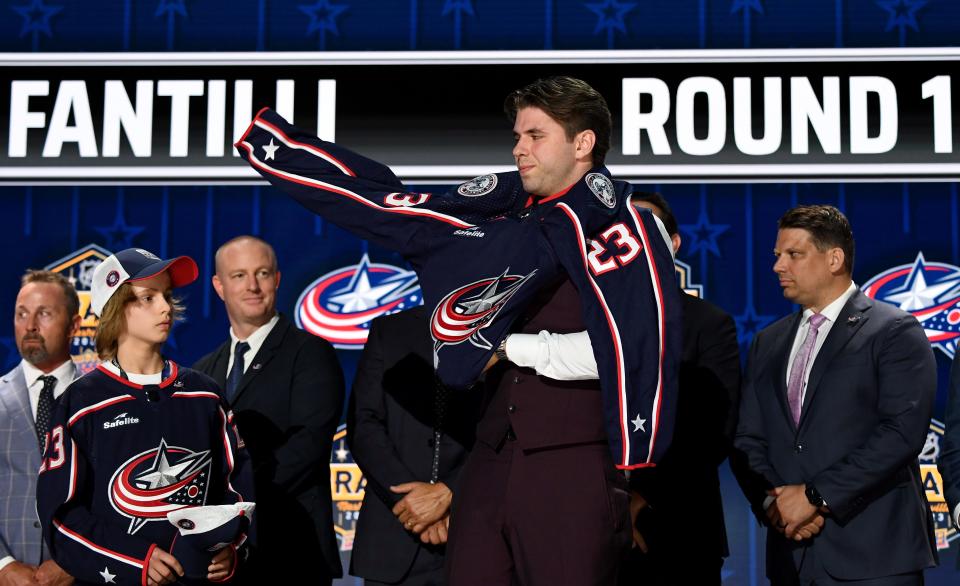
[(813, 495), (501, 350)]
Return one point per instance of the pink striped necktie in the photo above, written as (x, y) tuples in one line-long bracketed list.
[(799, 367)]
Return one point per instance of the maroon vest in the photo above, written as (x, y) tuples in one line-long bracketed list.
[(543, 412)]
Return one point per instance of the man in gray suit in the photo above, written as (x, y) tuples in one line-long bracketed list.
[(47, 315), (835, 409)]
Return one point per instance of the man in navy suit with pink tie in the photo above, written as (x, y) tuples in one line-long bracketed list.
[(836, 406)]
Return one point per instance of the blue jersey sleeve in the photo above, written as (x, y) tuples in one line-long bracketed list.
[(356, 193)]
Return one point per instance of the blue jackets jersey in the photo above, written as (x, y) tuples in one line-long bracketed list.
[(120, 456), (483, 251)]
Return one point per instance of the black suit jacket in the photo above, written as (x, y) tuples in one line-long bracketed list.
[(683, 490), (864, 420), (390, 424), (949, 461), (287, 408)]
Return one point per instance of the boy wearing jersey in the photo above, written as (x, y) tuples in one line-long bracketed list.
[(137, 438)]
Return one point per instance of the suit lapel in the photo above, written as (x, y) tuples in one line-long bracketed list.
[(266, 353), (218, 371), (851, 319), (780, 382)]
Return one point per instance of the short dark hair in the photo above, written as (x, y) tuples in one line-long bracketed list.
[(69, 291), (572, 103), (828, 228), (666, 214)]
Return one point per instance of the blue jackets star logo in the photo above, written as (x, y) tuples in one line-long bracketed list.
[(152, 483), (340, 305), (928, 290)]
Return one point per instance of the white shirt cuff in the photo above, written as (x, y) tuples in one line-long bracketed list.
[(556, 356), (956, 517), (6, 561)]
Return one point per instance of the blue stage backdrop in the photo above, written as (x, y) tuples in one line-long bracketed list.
[(62, 211)]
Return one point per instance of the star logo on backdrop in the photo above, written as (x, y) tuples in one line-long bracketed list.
[(120, 235), (916, 294), (463, 6), (107, 576), (749, 323), (703, 234), (739, 5), (270, 150), (323, 16), (903, 13), (36, 17), (361, 295), (171, 7), (638, 424), (610, 15)]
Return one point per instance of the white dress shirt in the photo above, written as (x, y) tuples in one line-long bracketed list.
[(64, 373), (556, 356), (830, 312), (255, 340)]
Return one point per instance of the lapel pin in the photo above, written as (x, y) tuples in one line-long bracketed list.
[(852, 320), (256, 366)]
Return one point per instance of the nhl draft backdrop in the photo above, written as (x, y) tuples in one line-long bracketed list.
[(117, 119)]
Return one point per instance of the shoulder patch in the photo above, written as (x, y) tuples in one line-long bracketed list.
[(478, 186), (602, 187)]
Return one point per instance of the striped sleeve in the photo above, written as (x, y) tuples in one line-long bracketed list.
[(85, 546), (352, 191)]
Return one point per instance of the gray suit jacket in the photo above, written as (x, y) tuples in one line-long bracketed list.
[(20, 533), (865, 418)]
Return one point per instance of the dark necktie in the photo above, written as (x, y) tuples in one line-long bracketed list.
[(45, 408), (236, 373)]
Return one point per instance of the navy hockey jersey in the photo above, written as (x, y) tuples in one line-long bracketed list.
[(120, 456), (482, 252)]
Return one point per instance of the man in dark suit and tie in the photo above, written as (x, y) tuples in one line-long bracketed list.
[(46, 316), (949, 461), (835, 409), (397, 413), (682, 494), (286, 390)]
